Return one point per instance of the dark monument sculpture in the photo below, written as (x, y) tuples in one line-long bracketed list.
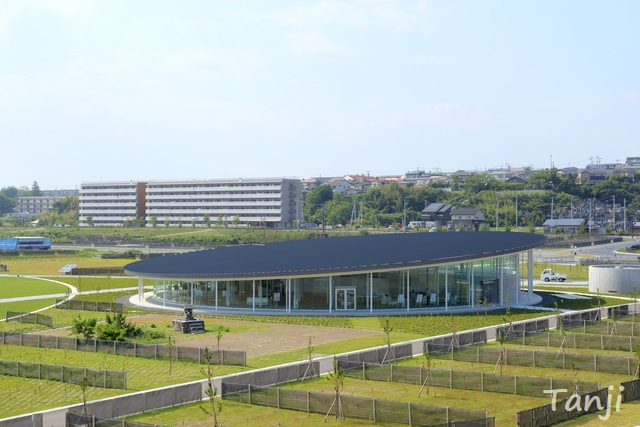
[(188, 325)]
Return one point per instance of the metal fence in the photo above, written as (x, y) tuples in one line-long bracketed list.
[(587, 341), (545, 359), (606, 328), (37, 318), (463, 380), (65, 374), (550, 414), (378, 410), (132, 349), (76, 304), (631, 391), (74, 420)]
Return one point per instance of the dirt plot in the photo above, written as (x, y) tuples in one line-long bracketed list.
[(256, 338)]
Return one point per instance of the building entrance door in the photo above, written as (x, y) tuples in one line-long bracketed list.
[(345, 298)]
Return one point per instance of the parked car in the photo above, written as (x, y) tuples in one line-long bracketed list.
[(548, 275)]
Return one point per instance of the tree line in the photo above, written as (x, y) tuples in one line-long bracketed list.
[(546, 194), (64, 211)]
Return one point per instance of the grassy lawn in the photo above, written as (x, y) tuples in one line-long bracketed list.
[(573, 272), (23, 306), (51, 263), (236, 414), (23, 395), (13, 287)]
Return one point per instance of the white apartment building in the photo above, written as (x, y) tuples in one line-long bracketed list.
[(267, 202), (111, 203), (34, 205), (273, 203)]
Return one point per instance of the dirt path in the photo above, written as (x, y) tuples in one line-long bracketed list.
[(256, 338)]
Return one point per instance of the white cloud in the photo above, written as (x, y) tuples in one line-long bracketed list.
[(9, 12), (361, 14), (232, 62), (313, 42), (455, 119), (66, 8)]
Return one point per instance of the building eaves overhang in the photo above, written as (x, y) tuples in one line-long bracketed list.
[(333, 256)]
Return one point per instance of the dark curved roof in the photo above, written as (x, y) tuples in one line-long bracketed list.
[(335, 255)]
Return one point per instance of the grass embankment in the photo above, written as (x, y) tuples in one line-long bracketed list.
[(573, 271), (503, 406), (24, 395), (50, 262)]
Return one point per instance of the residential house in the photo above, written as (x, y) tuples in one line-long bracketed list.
[(469, 219), (569, 225), (340, 185), (438, 212)]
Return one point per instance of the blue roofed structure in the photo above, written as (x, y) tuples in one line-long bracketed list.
[(411, 271)]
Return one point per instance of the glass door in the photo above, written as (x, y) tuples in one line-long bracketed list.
[(345, 298)]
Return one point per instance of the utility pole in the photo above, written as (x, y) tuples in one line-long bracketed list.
[(497, 212), (516, 210), (323, 206), (571, 207), (353, 215), (614, 213), (404, 215), (590, 216)]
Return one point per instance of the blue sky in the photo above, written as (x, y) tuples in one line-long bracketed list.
[(153, 90)]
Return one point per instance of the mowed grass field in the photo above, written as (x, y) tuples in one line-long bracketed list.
[(14, 287), (51, 263), (27, 395)]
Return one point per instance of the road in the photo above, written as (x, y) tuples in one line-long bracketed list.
[(609, 250)]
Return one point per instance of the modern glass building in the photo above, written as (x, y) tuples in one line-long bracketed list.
[(412, 272)]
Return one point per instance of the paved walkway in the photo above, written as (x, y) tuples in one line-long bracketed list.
[(32, 297)]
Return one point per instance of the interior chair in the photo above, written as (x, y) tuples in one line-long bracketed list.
[(419, 300), (433, 300)]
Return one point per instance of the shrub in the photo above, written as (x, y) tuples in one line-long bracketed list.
[(117, 328), (84, 327)]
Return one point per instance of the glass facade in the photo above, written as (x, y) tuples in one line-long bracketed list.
[(466, 284)]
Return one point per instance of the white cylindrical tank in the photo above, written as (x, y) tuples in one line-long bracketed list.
[(620, 279)]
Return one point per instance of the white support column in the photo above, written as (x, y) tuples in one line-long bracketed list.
[(407, 297), (164, 292), (253, 300), (370, 292), (289, 295), (530, 274), (446, 287), (518, 278), (191, 295), (330, 294), (501, 281), (140, 288), (215, 287), (469, 297), (473, 284)]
